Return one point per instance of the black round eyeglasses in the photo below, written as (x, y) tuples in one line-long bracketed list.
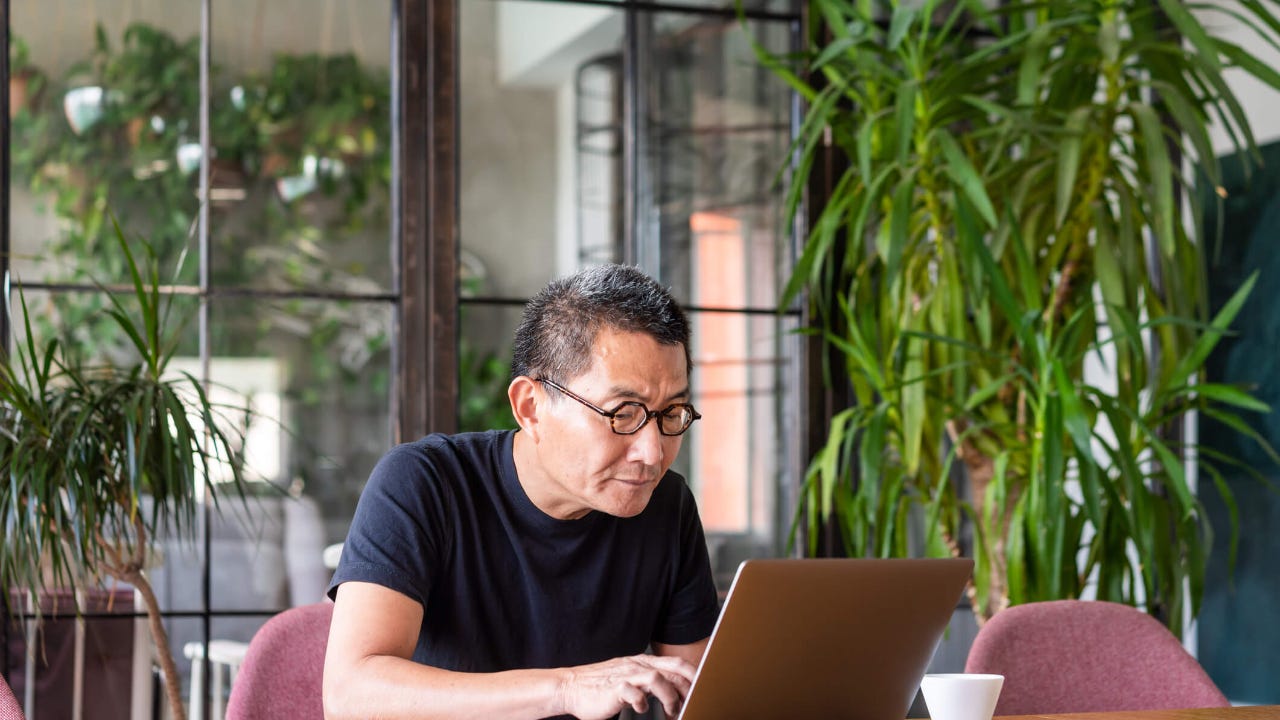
[(628, 417)]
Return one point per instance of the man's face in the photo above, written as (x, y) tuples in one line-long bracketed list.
[(589, 467)]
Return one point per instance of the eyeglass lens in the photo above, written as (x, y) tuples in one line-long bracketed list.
[(630, 416)]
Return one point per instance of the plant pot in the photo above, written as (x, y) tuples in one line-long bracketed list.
[(133, 130), (20, 93), (275, 164), (227, 181), (83, 107)]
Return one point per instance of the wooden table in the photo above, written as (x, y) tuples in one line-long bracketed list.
[(1246, 712)]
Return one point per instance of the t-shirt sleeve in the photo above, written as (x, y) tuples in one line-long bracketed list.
[(398, 535), (693, 607)]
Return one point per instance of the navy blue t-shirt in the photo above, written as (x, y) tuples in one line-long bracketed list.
[(505, 586)]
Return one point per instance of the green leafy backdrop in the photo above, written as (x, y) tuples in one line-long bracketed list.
[(1009, 209)]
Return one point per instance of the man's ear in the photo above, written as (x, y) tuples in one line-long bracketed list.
[(525, 393)]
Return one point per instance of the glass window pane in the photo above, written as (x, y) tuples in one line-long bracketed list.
[(715, 134), (745, 380), (78, 320), (96, 134), (318, 373), (544, 182), (540, 101), (301, 131), (791, 7), (484, 365)]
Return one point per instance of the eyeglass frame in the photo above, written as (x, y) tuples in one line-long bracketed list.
[(612, 414)]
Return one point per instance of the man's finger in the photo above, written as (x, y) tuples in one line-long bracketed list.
[(668, 693), (635, 697), (669, 664)]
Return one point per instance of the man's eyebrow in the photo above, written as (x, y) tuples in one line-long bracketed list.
[(629, 394)]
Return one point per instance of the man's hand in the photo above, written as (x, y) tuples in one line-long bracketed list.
[(602, 690)]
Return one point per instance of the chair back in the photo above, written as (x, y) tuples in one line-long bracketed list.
[(1067, 656), (283, 670), (9, 707)]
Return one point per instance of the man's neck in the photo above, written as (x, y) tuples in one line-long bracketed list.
[(537, 486)]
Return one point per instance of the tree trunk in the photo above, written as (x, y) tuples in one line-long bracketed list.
[(161, 638), (132, 571)]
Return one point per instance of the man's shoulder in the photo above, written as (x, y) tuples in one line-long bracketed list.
[(445, 455)]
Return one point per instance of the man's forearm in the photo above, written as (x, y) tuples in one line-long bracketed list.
[(391, 688)]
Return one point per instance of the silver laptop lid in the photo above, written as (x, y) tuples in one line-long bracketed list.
[(825, 638)]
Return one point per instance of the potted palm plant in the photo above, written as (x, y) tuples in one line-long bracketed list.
[(98, 460), (1007, 215)]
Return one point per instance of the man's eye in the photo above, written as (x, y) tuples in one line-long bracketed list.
[(627, 412)]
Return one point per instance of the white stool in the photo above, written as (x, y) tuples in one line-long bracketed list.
[(226, 657), (332, 554)]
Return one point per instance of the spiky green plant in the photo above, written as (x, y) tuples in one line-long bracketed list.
[(98, 460), (1009, 207)]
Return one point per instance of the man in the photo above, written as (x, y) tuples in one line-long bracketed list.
[(523, 574)]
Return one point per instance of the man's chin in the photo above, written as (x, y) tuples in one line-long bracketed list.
[(627, 500)]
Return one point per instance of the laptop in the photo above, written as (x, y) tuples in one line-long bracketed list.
[(836, 639)]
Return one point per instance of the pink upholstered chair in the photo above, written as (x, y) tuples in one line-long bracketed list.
[(1068, 656), (284, 667), (9, 707)]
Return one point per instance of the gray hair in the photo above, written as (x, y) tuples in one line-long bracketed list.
[(560, 323)]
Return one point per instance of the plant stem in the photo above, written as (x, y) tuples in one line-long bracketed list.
[(980, 470), (1079, 223), (167, 666), (132, 572)]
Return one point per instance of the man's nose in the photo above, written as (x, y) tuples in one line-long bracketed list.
[(646, 445)]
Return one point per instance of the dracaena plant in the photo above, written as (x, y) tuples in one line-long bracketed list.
[(98, 460), (1009, 212)]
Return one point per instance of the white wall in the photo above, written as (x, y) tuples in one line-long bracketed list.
[(507, 162), (542, 44)]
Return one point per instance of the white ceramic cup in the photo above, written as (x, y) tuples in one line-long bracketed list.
[(961, 696)]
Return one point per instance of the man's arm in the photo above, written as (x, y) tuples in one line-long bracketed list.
[(691, 653), (369, 672)]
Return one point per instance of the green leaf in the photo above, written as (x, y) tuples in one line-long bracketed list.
[(1193, 123), (838, 47), (871, 452), (1074, 417), (1234, 422), (904, 14), (964, 174), (899, 224), (1205, 343), (905, 120), (1246, 60), (913, 408), (1033, 59), (1160, 172), (1069, 160), (1229, 395), (1192, 30), (829, 474)]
